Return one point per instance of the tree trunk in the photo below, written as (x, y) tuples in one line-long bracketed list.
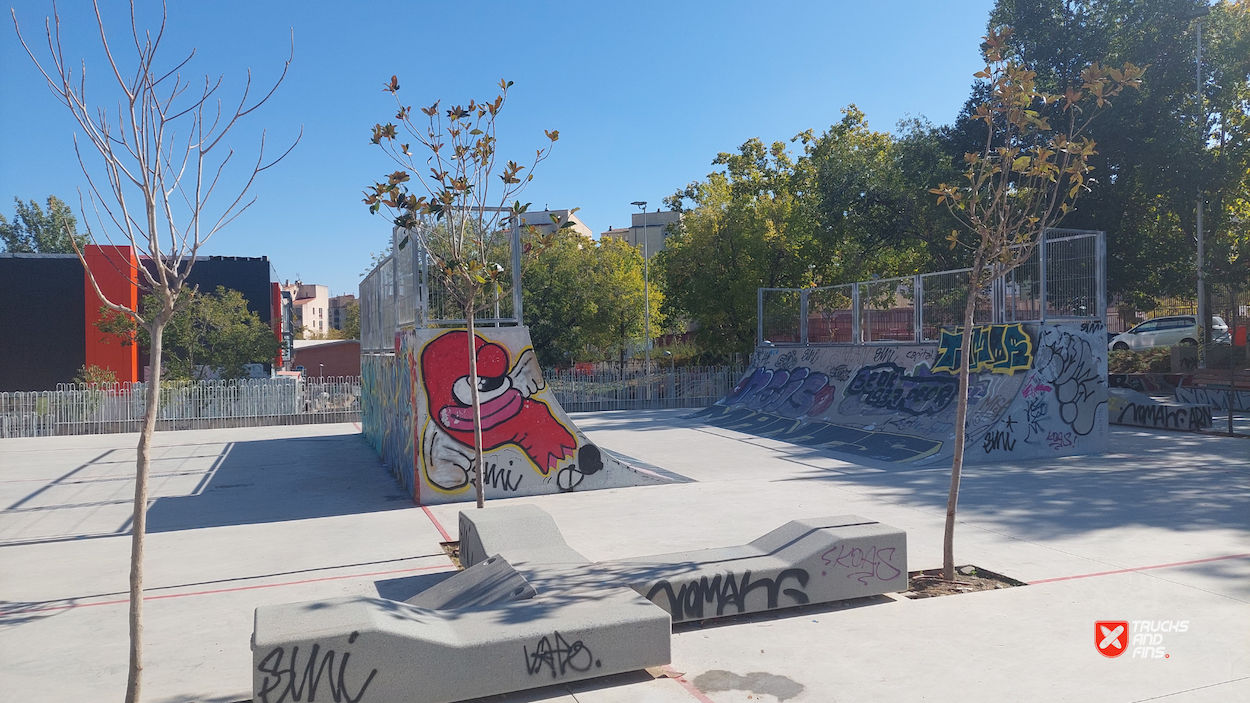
[(961, 420), (139, 522), (477, 406)]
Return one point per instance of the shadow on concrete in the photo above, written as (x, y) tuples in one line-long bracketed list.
[(274, 480), (1176, 481), (402, 589), (547, 693), (798, 611)]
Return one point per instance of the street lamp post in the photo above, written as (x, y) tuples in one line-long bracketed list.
[(646, 292), (1202, 138)]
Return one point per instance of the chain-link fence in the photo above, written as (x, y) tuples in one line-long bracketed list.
[(1065, 278), (109, 408)]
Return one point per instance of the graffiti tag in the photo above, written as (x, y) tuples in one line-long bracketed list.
[(888, 386), (995, 348), (559, 656), (290, 683), (686, 603), (873, 563)]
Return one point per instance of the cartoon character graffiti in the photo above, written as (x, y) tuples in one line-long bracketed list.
[(511, 415)]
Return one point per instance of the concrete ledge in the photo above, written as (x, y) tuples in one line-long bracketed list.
[(1128, 407), (490, 582), (522, 534), (804, 561), (371, 649), (493, 629)]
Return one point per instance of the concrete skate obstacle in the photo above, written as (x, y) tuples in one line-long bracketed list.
[(1128, 407), (415, 411), (536, 612)]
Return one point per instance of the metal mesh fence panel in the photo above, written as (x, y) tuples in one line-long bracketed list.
[(687, 387), (782, 317), (1022, 291), (889, 310), (386, 290), (1071, 276), (944, 297), (405, 290), (830, 315)]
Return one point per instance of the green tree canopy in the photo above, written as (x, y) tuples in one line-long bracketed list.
[(35, 230), (852, 204), (1160, 144), (209, 335), (584, 299)]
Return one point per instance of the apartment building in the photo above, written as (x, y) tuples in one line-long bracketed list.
[(651, 228), (310, 307)]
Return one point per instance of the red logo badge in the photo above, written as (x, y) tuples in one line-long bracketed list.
[(1111, 637)]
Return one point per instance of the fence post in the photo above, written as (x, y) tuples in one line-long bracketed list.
[(1041, 268), (856, 332), (917, 296), (419, 314), (759, 317), (1100, 273), (803, 317), (998, 293), (516, 272)]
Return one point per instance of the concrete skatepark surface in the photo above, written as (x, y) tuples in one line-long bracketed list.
[(1156, 529)]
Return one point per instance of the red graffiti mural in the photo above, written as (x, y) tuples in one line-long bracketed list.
[(510, 415)]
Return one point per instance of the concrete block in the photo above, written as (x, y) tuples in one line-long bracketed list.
[(522, 534), (536, 612), (1128, 407), (490, 582), (360, 649), (802, 562)]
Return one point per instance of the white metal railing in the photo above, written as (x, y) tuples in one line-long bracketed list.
[(684, 387), (102, 409), (1064, 279)]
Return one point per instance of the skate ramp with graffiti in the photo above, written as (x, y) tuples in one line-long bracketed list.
[(417, 412), (1037, 390)]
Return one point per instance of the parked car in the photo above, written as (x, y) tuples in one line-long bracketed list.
[(1168, 331)]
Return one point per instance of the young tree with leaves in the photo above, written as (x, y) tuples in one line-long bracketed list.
[(459, 223), (160, 168), (1024, 179)]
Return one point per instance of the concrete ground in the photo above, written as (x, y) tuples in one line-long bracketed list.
[(1159, 529)]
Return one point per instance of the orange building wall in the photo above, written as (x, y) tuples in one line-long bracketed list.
[(114, 269)]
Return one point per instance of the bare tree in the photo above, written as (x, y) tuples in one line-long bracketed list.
[(161, 168), (1023, 181), (459, 222)]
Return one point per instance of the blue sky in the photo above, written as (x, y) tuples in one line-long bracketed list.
[(644, 94)]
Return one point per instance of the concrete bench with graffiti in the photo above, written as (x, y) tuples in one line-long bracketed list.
[(1128, 407), (802, 562), (536, 612)]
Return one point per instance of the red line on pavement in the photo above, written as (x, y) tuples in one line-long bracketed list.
[(441, 531), (691, 688), (357, 425), (229, 590), (1139, 568)]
